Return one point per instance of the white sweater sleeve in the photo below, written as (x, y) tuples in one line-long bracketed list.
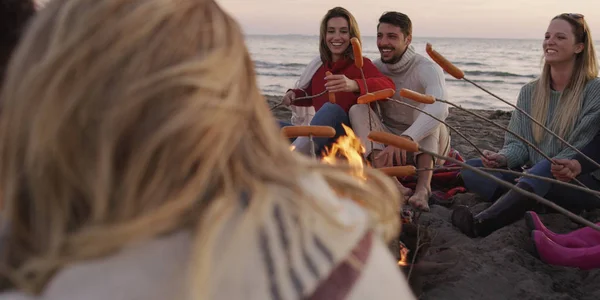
[(432, 79)]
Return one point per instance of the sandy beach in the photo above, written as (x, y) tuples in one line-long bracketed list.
[(500, 266)]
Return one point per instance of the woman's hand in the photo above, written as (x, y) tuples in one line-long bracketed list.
[(565, 169), (288, 98), (493, 159), (340, 83)]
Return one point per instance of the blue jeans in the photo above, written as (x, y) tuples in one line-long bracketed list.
[(331, 115), (283, 124), (576, 200), (491, 190)]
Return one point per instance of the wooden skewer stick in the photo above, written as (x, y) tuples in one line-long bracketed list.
[(459, 74), (406, 144)]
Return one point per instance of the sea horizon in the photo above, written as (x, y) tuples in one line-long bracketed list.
[(500, 65)]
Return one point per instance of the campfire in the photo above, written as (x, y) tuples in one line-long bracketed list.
[(350, 149), (414, 239)]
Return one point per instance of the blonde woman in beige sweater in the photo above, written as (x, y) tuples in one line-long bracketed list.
[(138, 160)]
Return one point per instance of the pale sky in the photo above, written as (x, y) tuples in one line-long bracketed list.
[(431, 18)]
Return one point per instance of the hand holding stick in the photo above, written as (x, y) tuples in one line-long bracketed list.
[(459, 74), (402, 143)]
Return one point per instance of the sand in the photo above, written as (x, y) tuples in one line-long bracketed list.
[(501, 265)]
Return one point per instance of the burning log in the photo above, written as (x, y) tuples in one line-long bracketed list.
[(412, 244)]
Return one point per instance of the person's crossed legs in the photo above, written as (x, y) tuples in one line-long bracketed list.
[(437, 142)]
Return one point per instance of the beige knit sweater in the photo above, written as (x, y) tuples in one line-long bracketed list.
[(417, 73), (290, 253)]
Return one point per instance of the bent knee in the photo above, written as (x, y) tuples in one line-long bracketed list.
[(357, 111), (466, 173)]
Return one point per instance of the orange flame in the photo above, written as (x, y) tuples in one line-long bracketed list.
[(350, 148), (403, 255)]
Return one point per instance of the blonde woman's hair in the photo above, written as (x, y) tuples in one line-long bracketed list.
[(585, 69), (124, 120)]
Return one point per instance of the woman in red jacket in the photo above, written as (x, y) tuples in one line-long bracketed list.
[(336, 56)]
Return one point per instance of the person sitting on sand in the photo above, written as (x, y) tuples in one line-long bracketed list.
[(566, 98), (161, 173), (582, 170), (338, 27), (410, 70)]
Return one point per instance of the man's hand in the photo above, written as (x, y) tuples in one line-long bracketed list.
[(340, 83), (493, 159), (565, 169), (389, 155)]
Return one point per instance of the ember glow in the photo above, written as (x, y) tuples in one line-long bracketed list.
[(403, 255), (349, 148)]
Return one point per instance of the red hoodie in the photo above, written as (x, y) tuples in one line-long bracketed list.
[(375, 81)]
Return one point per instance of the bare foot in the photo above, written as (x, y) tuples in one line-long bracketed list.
[(406, 192), (420, 200)]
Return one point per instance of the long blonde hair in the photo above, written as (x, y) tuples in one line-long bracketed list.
[(585, 69), (124, 120)]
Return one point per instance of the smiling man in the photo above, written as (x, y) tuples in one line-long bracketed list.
[(410, 70)]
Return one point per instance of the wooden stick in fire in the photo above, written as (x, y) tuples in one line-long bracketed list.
[(408, 145), (310, 132), (412, 171), (459, 74), (427, 99), (388, 93), (401, 171)]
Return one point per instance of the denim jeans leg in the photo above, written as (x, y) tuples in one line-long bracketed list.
[(331, 115), (480, 185), (576, 200), (283, 124), (334, 116), (540, 187)]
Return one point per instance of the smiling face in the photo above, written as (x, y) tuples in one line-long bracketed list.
[(337, 37), (392, 42), (560, 44)]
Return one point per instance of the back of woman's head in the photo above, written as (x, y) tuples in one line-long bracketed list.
[(124, 120), (125, 115), (14, 17), (337, 12)]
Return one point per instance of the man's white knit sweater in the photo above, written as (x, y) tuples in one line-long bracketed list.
[(417, 73)]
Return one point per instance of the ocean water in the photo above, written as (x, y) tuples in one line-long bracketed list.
[(502, 66)]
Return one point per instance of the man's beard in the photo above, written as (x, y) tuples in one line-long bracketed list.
[(394, 59)]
